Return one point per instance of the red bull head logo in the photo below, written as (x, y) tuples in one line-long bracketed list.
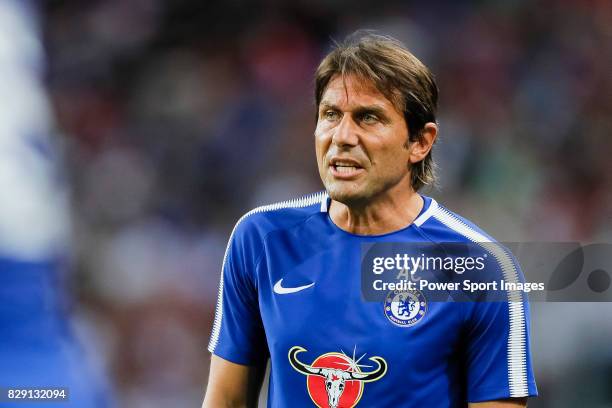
[(335, 380)]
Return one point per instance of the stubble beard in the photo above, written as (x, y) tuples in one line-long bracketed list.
[(358, 194), (349, 195), (353, 194)]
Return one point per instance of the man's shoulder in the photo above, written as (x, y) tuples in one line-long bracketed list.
[(281, 215), (445, 225)]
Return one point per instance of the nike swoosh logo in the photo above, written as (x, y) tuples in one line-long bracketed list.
[(278, 288)]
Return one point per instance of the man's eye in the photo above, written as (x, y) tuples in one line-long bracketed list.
[(369, 118), (330, 115)]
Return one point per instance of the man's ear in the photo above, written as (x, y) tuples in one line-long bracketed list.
[(421, 147)]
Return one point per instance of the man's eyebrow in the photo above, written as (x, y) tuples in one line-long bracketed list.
[(328, 105), (375, 109)]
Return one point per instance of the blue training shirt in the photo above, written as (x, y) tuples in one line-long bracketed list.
[(291, 290)]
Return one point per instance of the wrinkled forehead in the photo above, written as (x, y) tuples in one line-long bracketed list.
[(352, 90)]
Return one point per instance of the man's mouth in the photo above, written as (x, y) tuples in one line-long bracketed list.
[(345, 169)]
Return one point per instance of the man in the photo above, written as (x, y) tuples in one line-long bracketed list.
[(291, 284)]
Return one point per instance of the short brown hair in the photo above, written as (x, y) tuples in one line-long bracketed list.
[(398, 75)]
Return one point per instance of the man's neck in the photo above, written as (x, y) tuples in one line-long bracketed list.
[(381, 216)]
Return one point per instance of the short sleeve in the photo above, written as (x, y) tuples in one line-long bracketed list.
[(237, 333), (497, 340)]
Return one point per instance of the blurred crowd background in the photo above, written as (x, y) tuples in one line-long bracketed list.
[(143, 129)]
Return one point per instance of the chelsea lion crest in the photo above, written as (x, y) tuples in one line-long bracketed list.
[(405, 308)]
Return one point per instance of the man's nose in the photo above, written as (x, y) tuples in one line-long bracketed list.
[(346, 133)]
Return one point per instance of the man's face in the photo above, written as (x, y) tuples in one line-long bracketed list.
[(360, 142)]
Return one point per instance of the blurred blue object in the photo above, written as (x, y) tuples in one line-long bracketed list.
[(37, 346)]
